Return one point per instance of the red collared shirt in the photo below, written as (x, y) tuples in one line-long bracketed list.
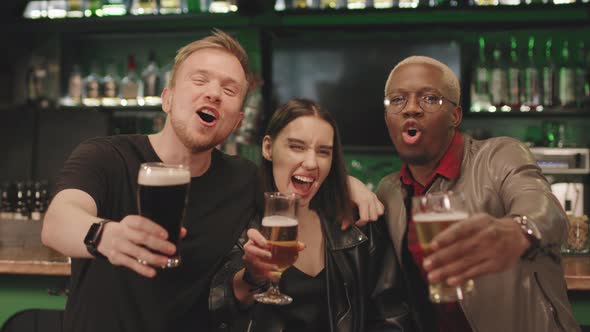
[(450, 315)]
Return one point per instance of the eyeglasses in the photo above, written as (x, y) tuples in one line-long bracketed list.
[(428, 102)]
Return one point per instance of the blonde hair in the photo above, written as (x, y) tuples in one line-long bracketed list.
[(451, 87), (217, 40)]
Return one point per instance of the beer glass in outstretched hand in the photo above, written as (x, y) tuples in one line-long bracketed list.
[(279, 227), (162, 196), (432, 214)]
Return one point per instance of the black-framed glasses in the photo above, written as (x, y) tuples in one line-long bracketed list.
[(430, 103)]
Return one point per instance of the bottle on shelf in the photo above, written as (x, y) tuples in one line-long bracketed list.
[(514, 76), (480, 92), (165, 73), (356, 4), (143, 7), (509, 2), (75, 8), (21, 209), (7, 201), (150, 82), (56, 9), (566, 78), (548, 76), (92, 8), (73, 96), (114, 7), (40, 200), (498, 82), (223, 6), (478, 3), (580, 71), (381, 4), (35, 9), (130, 84), (110, 86), (173, 7), (91, 87), (531, 81)]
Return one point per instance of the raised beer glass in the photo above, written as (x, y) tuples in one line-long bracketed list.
[(279, 227), (433, 213), (162, 196)]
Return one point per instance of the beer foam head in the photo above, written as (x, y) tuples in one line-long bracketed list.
[(436, 217), (159, 176), (278, 221)]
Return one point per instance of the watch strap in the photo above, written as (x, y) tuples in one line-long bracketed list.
[(92, 240)]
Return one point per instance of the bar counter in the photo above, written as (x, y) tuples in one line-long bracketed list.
[(36, 261), (43, 261)]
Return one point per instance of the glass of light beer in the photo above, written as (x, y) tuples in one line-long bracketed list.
[(162, 196), (279, 227), (433, 213)]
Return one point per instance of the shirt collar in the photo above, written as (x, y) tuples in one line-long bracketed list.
[(448, 167)]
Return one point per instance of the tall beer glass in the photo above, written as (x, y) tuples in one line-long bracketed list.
[(162, 196), (279, 227), (432, 214)]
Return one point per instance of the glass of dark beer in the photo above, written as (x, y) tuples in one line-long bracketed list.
[(162, 196), (432, 214), (279, 227)]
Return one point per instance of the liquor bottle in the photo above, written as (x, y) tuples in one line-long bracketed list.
[(498, 82), (75, 8), (92, 8), (586, 100), (480, 92), (40, 201), (514, 76), (478, 3), (280, 5), (580, 71), (56, 9), (566, 78), (35, 9), (91, 87), (74, 94), (150, 82), (130, 84), (6, 201), (509, 2), (21, 211), (382, 4), (114, 7), (173, 7), (110, 86), (548, 76), (223, 6), (531, 82), (144, 7), (356, 4)]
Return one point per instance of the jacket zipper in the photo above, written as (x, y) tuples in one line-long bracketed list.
[(551, 306), (348, 309)]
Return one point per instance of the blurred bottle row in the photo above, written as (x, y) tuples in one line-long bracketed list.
[(23, 200), (88, 8), (98, 85), (281, 5), (530, 77)]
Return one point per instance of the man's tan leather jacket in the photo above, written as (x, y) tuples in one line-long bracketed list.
[(499, 176)]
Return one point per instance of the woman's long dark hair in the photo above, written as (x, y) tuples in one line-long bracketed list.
[(333, 197)]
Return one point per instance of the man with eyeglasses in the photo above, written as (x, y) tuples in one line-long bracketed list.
[(509, 245)]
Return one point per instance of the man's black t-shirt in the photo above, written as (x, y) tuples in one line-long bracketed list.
[(104, 297)]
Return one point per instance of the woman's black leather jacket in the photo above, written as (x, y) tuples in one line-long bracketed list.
[(361, 294)]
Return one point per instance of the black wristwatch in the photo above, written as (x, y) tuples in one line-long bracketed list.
[(93, 237)]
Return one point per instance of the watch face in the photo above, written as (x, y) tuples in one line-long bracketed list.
[(93, 234)]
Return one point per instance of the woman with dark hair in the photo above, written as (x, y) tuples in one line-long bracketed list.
[(334, 282)]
